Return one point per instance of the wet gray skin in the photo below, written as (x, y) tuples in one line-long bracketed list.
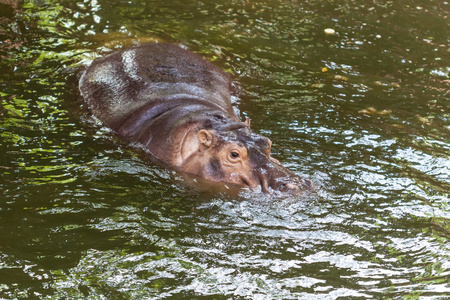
[(177, 105)]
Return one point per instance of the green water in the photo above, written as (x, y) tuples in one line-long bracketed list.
[(364, 113)]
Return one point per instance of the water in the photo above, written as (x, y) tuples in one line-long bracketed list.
[(364, 113)]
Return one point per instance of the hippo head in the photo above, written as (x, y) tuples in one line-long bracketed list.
[(233, 153)]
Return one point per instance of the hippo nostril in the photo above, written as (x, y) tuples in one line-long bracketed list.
[(309, 183)]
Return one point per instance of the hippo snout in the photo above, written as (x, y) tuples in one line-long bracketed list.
[(279, 178), (292, 187), (284, 180), (297, 187)]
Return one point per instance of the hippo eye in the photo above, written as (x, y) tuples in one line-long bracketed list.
[(234, 154)]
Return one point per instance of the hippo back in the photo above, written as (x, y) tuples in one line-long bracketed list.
[(116, 85)]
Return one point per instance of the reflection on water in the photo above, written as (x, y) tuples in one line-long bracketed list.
[(363, 113)]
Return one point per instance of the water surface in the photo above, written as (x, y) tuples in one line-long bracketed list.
[(364, 113)]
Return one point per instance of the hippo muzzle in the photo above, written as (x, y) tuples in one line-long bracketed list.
[(269, 173)]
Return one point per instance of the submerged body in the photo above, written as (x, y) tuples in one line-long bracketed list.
[(177, 105)]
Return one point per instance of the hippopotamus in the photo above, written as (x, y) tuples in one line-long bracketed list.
[(177, 105)]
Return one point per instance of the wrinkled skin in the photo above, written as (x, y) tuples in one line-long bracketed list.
[(178, 106)]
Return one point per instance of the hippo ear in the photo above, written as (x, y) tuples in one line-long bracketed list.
[(247, 122), (205, 137)]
